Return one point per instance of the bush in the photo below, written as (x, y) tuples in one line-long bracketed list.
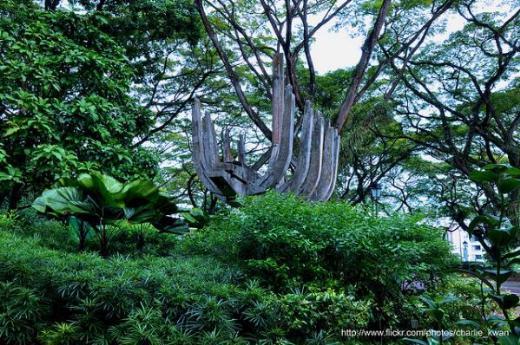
[(125, 238), (55, 297), (47, 293), (288, 243), (277, 271)]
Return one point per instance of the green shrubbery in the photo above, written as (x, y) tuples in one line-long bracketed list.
[(279, 270), (94, 295), (288, 243), (53, 296)]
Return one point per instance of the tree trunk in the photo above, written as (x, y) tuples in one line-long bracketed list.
[(14, 198), (82, 236), (103, 242)]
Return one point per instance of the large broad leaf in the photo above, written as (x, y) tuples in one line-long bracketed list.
[(104, 189), (63, 201), (165, 205), (508, 184), (500, 237), (100, 199), (483, 176), (142, 214), (171, 225), (77, 225), (139, 192)]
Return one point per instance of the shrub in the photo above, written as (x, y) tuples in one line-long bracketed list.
[(49, 293), (56, 297), (277, 271), (125, 238), (96, 201), (20, 310), (287, 243)]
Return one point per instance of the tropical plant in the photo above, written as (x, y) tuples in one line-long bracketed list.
[(100, 200), (499, 235), (64, 101), (196, 218)]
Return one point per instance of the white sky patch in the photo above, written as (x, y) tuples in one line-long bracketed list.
[(332, 50), (335, 49)]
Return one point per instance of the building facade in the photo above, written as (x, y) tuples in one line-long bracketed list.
[(465, 246)]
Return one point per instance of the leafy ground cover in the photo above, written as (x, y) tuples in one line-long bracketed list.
[(278, 270)]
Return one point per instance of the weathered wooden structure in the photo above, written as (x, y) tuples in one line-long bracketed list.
[(314, 171)]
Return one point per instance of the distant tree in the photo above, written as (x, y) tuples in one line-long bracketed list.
[(250, 32), (458, 100)]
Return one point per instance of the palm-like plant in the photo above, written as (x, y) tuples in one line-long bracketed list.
[(100, 200)]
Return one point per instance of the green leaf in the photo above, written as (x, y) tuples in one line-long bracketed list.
[(491, 221), (469, 323), (509, 340), (63, 201), (11, 131), (139, 192), (512, 171), (171, 225), (483, 176), (508, 184), (500, 237), (497, 168), (105, 190), (143, 214), (165, 204)]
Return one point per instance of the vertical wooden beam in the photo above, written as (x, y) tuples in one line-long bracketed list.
[(337, 145), (210, 144), (226, 147), (242, 150), (304, 157), (327, 165), (198, 148), (279, 165), (313, 175), (278, 98)]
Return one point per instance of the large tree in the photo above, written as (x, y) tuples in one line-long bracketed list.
[(247, 34), (71, 84), (458, 101)]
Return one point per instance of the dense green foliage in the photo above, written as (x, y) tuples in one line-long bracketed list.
[(211, 287), (106, 85), (96, 200), (287, 243), (65, 104)]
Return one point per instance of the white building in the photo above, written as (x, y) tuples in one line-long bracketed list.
[(465, 246)]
